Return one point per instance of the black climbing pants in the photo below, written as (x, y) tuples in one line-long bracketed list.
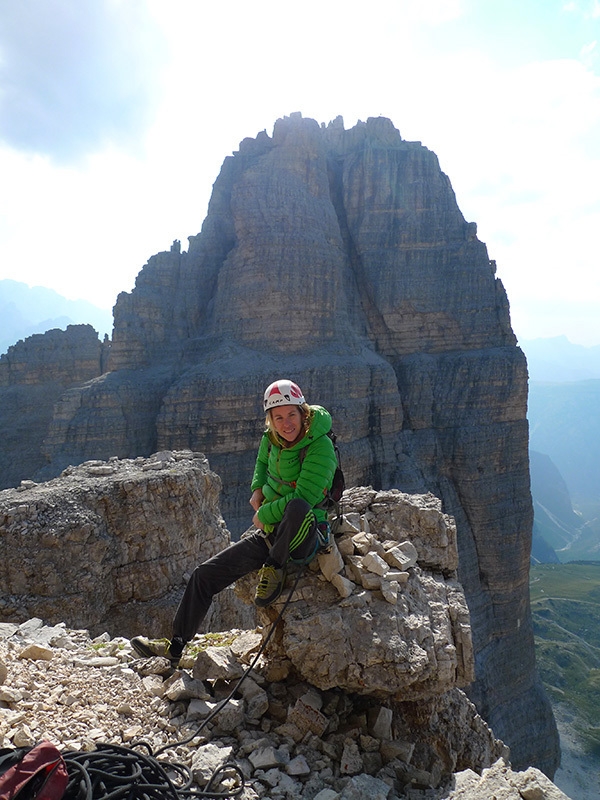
[(294, 537)]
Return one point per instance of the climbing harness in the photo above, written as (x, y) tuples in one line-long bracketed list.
[(322, 544)]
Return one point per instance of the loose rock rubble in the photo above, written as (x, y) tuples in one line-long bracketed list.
[(288, 738)]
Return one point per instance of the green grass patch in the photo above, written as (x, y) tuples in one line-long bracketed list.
[(565, 605), (203, 640), (572, 581)]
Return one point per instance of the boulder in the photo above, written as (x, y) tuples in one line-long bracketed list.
[(108, 545), (409, 644)]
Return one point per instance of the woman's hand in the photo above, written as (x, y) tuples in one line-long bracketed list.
[(257, 523), (257, 498)]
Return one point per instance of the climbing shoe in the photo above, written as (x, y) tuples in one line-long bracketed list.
[(270, 585), (163, 648)]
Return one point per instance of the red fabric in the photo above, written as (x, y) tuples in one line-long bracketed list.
[(43, 760)]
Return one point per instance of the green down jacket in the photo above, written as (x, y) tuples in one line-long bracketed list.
[(281, 476)]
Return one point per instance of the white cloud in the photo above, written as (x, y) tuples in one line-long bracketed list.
[(529, 175), (432, 12)]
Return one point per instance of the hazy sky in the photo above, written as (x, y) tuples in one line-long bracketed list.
[(116, 115)]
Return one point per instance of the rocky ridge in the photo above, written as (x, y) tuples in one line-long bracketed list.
[(354, 691), (113, 542), (34, 374)]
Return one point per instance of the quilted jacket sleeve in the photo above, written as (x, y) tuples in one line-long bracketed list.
[(260, 468)]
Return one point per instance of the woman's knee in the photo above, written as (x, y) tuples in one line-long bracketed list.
[(298, 507)]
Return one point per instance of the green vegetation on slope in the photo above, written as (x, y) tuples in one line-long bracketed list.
[(565, 603)]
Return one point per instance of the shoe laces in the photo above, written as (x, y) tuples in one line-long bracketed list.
[(268, 575)]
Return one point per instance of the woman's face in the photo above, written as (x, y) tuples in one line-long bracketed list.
[(287, 421)]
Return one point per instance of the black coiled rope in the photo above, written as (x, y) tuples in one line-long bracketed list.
[(112, 772)]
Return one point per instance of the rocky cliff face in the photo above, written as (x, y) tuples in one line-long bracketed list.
[(34, 374), (340, 258)]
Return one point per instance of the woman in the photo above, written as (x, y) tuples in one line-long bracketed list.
[(294, 468)]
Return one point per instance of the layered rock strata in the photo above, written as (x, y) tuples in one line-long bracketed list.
[(108, 545), (34, 374), (340, 258)]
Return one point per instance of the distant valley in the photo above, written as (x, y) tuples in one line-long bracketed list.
[(565, 605), (564, 433)]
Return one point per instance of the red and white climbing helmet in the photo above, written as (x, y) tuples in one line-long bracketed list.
[(283, 393)]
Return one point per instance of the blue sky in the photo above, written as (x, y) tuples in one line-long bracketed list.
[(116, 115)]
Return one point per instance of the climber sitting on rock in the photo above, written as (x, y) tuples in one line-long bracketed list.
[(294, 469)]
